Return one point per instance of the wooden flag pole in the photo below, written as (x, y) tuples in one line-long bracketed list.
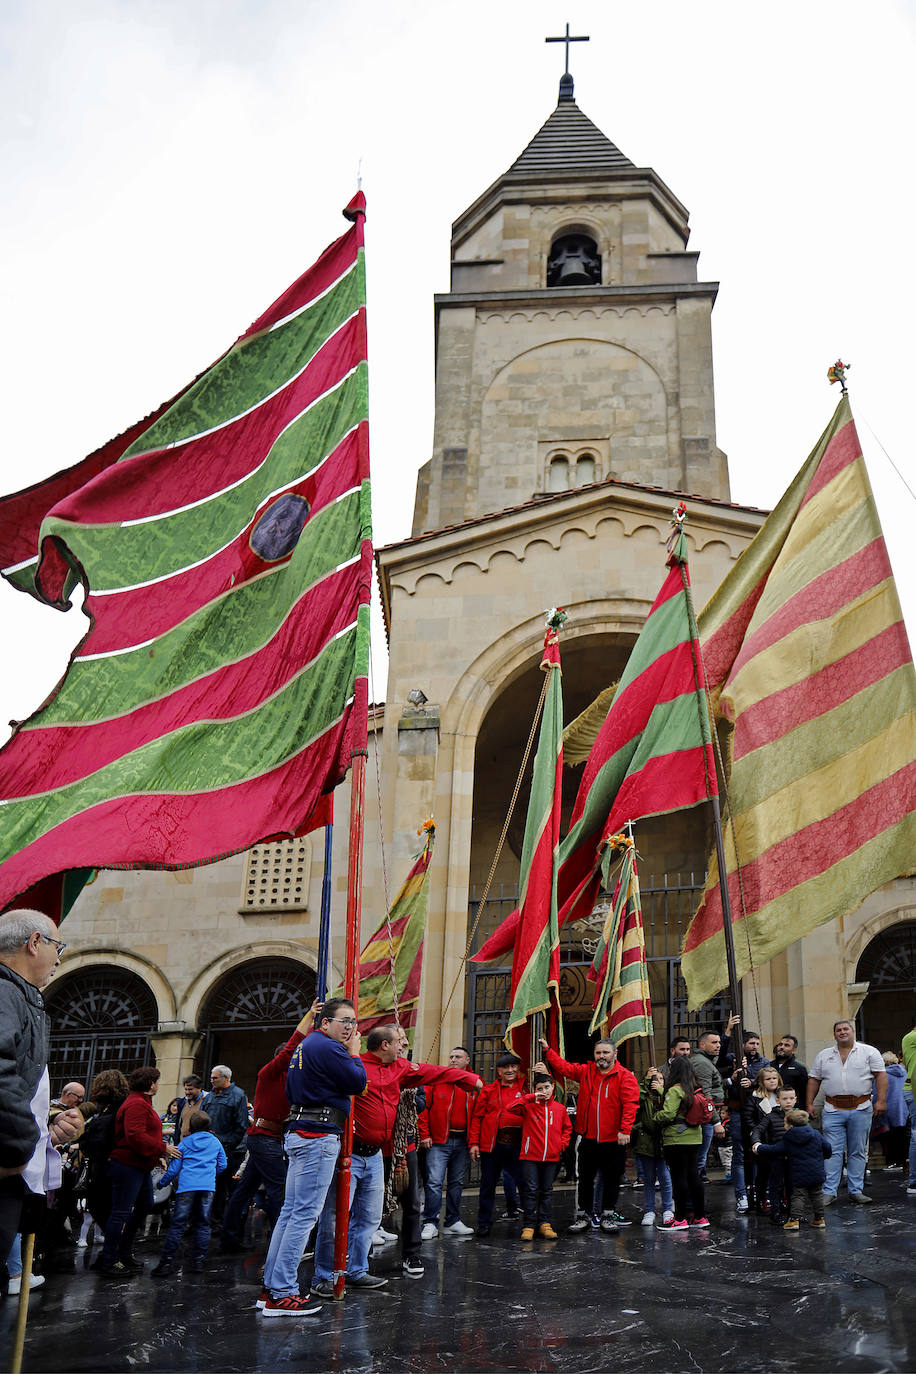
[(677, 550), (734, 987), (22, 1312), (351, 991)]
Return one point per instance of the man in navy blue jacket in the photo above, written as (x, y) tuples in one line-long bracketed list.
[(325, 1073)]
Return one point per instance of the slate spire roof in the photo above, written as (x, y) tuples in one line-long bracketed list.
[(569, 143)]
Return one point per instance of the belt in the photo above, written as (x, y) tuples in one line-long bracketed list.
[(362, 1147), (271, 1127), (509, 1135), (457, 1135), (320, 1115), (847, 1102)]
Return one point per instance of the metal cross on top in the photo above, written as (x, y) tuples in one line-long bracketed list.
[(567, 38)]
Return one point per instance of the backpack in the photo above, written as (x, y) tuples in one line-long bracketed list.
[(700, 1112), (98, 1139)]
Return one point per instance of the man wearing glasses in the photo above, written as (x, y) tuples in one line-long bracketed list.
[(325, 1072), (29, 954)]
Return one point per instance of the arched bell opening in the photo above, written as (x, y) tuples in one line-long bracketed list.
[(574, 260)]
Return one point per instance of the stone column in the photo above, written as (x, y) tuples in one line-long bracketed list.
[(174, 1044)]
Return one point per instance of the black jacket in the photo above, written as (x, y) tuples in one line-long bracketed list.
[(793, 1075), (767, 1128), (25, 1030), (804, 1150)]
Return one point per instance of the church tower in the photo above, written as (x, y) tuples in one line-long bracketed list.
[(574, 345), (574, 406)]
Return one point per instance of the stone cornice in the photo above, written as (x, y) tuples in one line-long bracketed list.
[(476, 542), (625, 184)]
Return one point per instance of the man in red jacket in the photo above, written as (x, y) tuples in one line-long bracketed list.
[(605, 1112), (266, 1161), (374, 1114), (495, 1134), (448, 1112)]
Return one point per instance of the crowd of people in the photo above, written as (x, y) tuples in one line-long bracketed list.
[(98, 1164)]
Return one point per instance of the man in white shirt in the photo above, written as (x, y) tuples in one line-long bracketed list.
[(848, 1071)]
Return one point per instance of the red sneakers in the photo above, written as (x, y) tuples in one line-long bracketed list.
[(262, 1298), (671, 1225), (290, 1307), (702, 1222)]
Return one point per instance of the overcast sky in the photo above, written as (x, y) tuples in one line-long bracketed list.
[(168, 168)]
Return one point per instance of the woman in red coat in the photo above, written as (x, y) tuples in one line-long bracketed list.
[(139, 1147)]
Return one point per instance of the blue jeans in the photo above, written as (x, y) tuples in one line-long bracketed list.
[(451, 1161), (911, 1103), (847, 1131), (367, 1198), (537, 1190), (131, 1199), (738, 1178), (308, 1182), (191, 1207), (652, 1170), (265, 1165), (708, 1132)]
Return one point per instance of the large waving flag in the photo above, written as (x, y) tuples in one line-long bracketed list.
[(623, 1008), (807, 656), (653, 753), (225, 548), (393, 955), (535, 981)]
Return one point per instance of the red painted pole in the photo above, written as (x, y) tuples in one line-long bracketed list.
[(351, 988)]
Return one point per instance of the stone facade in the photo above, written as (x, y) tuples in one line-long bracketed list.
[(568, 420)]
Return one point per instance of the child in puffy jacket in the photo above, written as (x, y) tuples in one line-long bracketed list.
[(546, 1131), (202, 1158), (804, 1150)]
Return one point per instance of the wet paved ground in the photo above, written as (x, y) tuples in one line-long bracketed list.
[(743, 1296)]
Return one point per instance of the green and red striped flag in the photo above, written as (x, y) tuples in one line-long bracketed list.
[(623, 1008), (808, 659), (225, 548), (653, 753), (535, 981), (397, 957)]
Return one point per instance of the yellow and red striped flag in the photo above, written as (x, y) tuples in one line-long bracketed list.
[(807, 656), (393, 954)]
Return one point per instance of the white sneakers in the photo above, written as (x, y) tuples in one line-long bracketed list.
[(648, 1219), (741, 1204), (430, 1231), (668, 1215), (458, 1228), (35, 1281), (383, 1237)]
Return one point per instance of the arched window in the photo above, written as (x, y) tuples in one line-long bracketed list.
[(574, 261), (888, 965), (101, 1018), (255, 1007), (585, 469), (558, 473)]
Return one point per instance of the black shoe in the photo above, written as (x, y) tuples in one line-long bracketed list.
[(366, 1281), (483, 1230), (234, 1247), (113, 1271), (162, 1269), (322, 1289), (197, 1266), (133, 1264), (412, 1268)]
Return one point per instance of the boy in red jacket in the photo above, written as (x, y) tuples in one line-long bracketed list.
[(605, 1113), (546, 1131), (495, 1135)]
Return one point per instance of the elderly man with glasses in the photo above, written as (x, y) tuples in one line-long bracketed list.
[(29, 954)]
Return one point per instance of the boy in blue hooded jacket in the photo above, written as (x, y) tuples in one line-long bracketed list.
[(202, 1158), (804, 1150)]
